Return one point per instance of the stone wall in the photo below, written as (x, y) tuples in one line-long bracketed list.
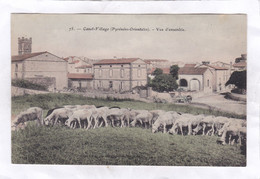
[(49, 82), (16, 91)]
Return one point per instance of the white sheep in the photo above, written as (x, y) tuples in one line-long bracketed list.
[(31, 114), (60, 114), (164, 119)]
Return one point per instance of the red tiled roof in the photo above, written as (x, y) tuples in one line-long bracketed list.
[(190, 65), (25, 56), (191, 70), (116, 61), (240, 64), (217, 67), (74, 62), (84, 66), (80, 76), (66, 59), (155, 60), (165, 70)]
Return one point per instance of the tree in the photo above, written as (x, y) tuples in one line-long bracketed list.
[(174, 71), (157, 71), (164, 82), (238, 78)]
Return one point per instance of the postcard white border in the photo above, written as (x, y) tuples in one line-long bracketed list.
[(251, 8)]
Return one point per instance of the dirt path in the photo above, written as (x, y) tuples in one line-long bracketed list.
[(219, 102)]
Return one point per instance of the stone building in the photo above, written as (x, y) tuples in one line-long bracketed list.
[(220, 77), (193, 78), (207, 78), (80, 80), (80, 73), (41, 67), (24, 46), (240, 63), (120, 74)]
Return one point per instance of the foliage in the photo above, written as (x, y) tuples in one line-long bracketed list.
[(149, 81), (174, 69), (164, 82), (238, 78), (27, 84), (119, 146), (157, 71)]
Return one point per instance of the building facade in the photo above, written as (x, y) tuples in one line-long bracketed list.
[(80, 73), (119, 74), (80, 80), (40, 67), (193, 78), (205, 77)]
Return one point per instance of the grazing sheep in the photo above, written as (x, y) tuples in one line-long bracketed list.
[(156, 114), (100, 113), (186, 120), (81, 115), (31, 114), (208, 124), (234, 132), (60, 114), (116, 114), (144, 118), (165, 119)]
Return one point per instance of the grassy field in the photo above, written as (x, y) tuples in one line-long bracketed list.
[(119, 146), (49, 101), (115, 146)]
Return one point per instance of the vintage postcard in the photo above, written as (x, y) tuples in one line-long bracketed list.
[(136, 89)]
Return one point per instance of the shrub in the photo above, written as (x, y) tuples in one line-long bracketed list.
[(27, 84), (238, 78), (163, 83)]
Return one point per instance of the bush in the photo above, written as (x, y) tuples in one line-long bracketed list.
[(27, 84), (163, 83), (238, 78)]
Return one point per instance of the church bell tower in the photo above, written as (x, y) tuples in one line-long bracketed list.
[(24, 45)]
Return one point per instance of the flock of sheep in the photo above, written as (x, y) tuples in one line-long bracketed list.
[(229, 130)]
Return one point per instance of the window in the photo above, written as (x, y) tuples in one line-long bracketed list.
[(122, 73), (139, 72), (16, 76), (183, 83), (85, 70), (16, 67), (110, 84), (100, 84), (100, 73), (121, 85), (207, 83), (110, 73)]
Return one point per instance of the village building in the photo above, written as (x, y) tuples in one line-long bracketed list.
[(156, 63), (120, 74), (164, 70), (240, 63), (41, 67), (220, 76), (205, 77), (80, 73), (193, 78), (80, 80)]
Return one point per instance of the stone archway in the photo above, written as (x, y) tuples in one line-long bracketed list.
[(183, 83), (195, 85)]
